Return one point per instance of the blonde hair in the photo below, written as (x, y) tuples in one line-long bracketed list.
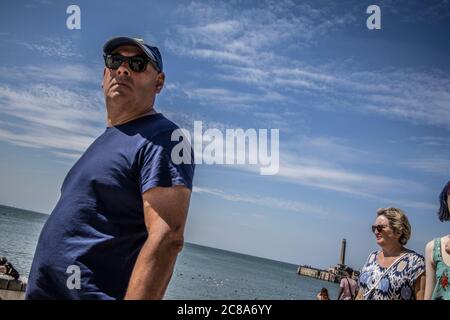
[(398, 221)]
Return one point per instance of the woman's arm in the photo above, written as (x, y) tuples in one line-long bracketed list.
[(359, 295), (430, 271), (419, 287)]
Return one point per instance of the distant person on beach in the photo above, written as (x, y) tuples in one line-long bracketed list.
[(7, 268), (323, 294), (437, 256), (349, 287), (118, 226), (394, 272)]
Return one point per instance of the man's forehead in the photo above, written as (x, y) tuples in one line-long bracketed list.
[(128, 49)]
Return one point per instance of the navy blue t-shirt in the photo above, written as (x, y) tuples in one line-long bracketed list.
[(98, 223)]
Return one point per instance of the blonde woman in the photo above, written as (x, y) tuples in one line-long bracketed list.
[(394, 272), (437, 256)]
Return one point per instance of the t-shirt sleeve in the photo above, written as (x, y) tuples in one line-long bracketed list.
[(418, 267), (342, 284), (157, 168)]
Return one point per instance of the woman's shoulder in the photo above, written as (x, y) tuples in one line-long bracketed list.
[(373, 253), (371, 258), (437, 239), (411, 254)]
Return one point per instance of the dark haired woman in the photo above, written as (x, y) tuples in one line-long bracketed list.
[(323, 294), (437, 256)]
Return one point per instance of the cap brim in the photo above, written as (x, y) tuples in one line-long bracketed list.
[(116, 42)]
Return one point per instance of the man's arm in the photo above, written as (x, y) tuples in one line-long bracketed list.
[(165, 212), (341, 285)]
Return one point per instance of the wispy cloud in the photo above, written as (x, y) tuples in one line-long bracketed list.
[(363, 185), (53, 47), (47, 116), (268, 202), (231, 99), (412, 96), (337, 149), (325, 163), (431, 141), (439, 9), (240, 34), (423, 11), (431, 164), (252, 46), (54, 73), (37, 4)]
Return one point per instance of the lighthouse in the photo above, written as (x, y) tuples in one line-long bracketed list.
[(343, 247)]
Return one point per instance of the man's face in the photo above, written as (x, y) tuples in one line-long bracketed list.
[(130, 89)]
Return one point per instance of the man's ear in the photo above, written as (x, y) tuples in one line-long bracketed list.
[(160, 78)]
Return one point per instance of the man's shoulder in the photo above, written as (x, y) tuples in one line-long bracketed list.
[(159, 123), (155, 127)]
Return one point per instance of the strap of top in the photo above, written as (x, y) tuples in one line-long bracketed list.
[(437, 256), (384, 273)]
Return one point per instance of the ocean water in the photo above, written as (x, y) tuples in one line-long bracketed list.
[(200, 272)]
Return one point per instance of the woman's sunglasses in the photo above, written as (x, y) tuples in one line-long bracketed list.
[(136, 63), (378, 227)]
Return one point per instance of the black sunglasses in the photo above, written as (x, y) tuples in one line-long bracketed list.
[(378, 227), (136, 63)]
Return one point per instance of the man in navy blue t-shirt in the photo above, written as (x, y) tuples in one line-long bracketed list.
[(118, 226)]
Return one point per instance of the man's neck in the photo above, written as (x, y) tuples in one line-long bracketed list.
[(124, 118)]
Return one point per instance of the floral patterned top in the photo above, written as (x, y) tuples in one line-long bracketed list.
[(442, 289), (397, 283)]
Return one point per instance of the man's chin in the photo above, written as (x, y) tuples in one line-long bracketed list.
[(118, 95)]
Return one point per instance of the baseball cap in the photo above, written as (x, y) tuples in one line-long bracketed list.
[(151, 52)]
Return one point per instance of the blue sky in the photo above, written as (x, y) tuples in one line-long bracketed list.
[(363, 115)]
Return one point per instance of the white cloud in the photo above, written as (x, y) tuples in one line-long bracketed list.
[(439, 165), (239, 34), (250, 45), (53, 47), (268, 202), (431, 141), (229, 98), (327, 164), (54, 73), (47, 116)]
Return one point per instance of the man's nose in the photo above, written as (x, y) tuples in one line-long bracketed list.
[(124, 69)]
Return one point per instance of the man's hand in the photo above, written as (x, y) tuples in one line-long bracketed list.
[(165, 212)]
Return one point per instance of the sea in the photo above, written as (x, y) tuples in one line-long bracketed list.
[(201, 272)]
